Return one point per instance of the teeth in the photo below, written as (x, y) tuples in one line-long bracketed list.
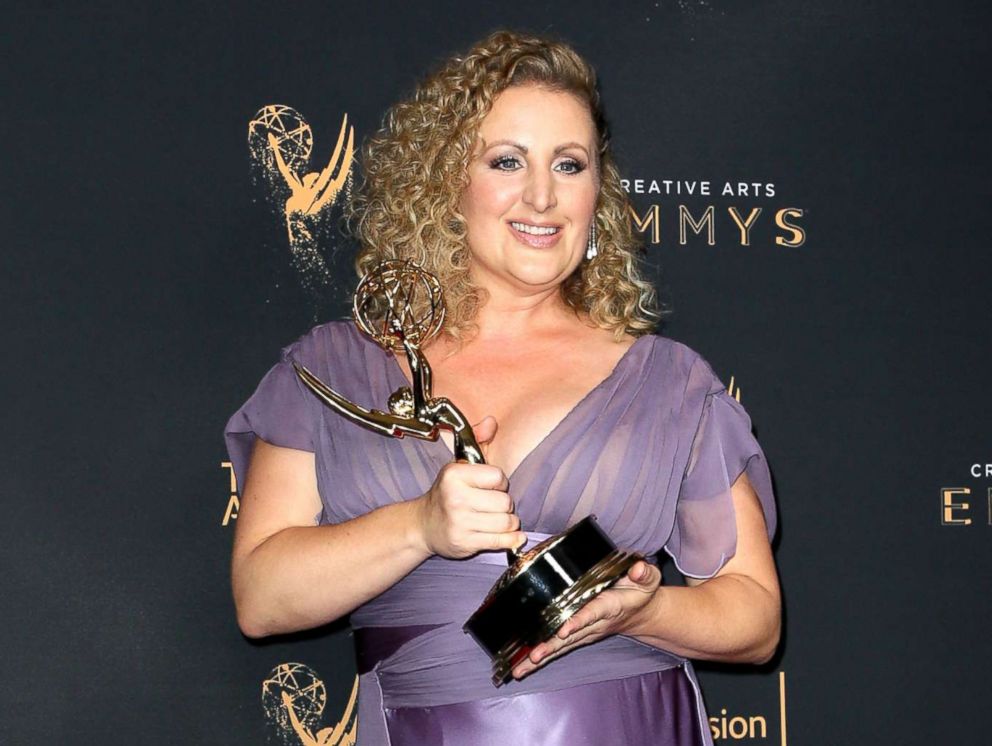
[(535, 230)]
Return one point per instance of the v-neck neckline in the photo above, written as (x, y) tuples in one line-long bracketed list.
[(441, 448)]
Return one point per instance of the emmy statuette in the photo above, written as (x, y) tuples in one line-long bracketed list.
[(400, 306)]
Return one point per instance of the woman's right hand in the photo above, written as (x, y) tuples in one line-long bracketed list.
[(468, 509)]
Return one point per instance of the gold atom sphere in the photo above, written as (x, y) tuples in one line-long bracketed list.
[(399, 293)]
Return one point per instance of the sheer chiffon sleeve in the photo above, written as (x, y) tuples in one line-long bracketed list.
[(280, 412), (704, 537)]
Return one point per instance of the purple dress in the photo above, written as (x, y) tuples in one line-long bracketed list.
[(651, 451)]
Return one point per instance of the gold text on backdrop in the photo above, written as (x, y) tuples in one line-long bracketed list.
[(649, 221), (233, 503), (751, 728)]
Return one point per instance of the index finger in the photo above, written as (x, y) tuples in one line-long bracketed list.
[(486, 477)]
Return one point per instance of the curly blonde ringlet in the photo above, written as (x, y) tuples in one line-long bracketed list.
[(415, 169)]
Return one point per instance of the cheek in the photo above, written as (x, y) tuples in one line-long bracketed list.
[(585, 196), (577, 197), (488, 197), (587, 203)]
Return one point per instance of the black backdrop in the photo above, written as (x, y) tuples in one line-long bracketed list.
[(147, 286)]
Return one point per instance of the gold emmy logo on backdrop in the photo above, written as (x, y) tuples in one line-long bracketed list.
[(294, 697), (281, 141), (726, 727), (233, 504)]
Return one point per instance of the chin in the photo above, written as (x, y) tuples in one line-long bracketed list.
[(539, 275)]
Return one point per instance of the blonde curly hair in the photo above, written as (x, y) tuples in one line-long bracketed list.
[(415, 169)]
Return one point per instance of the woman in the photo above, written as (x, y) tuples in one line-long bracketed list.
[(497, 177)]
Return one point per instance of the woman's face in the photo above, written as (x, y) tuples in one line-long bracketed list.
[(533, 181)]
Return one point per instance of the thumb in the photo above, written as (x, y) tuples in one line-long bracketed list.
[(644, 574), (485, 429)]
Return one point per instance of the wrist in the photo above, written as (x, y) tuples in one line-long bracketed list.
[(644, 621), (416, 537)]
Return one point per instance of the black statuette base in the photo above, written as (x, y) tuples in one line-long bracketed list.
[(530, 603)]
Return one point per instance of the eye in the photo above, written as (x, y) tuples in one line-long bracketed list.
[(505, 163), (571, 166)]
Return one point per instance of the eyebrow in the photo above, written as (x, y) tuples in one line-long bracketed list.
[(523, 148)]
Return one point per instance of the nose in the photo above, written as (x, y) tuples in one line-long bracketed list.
[(539, 192)]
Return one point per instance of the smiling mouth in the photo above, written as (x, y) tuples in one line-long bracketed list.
[(536, 230)]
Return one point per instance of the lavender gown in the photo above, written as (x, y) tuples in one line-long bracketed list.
[(651, 451)]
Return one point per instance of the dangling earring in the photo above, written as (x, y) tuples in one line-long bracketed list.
[(592, 248)]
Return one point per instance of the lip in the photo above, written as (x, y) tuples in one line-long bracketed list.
[(537, 242)]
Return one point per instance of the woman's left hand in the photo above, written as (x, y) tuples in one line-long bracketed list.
[(614, 611)]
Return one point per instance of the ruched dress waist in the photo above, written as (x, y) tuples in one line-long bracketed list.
[(413, 652)]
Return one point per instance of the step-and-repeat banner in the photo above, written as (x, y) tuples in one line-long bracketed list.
[(810, 181)]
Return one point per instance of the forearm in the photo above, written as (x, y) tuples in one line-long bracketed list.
[(730, 618), (305, 576)]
